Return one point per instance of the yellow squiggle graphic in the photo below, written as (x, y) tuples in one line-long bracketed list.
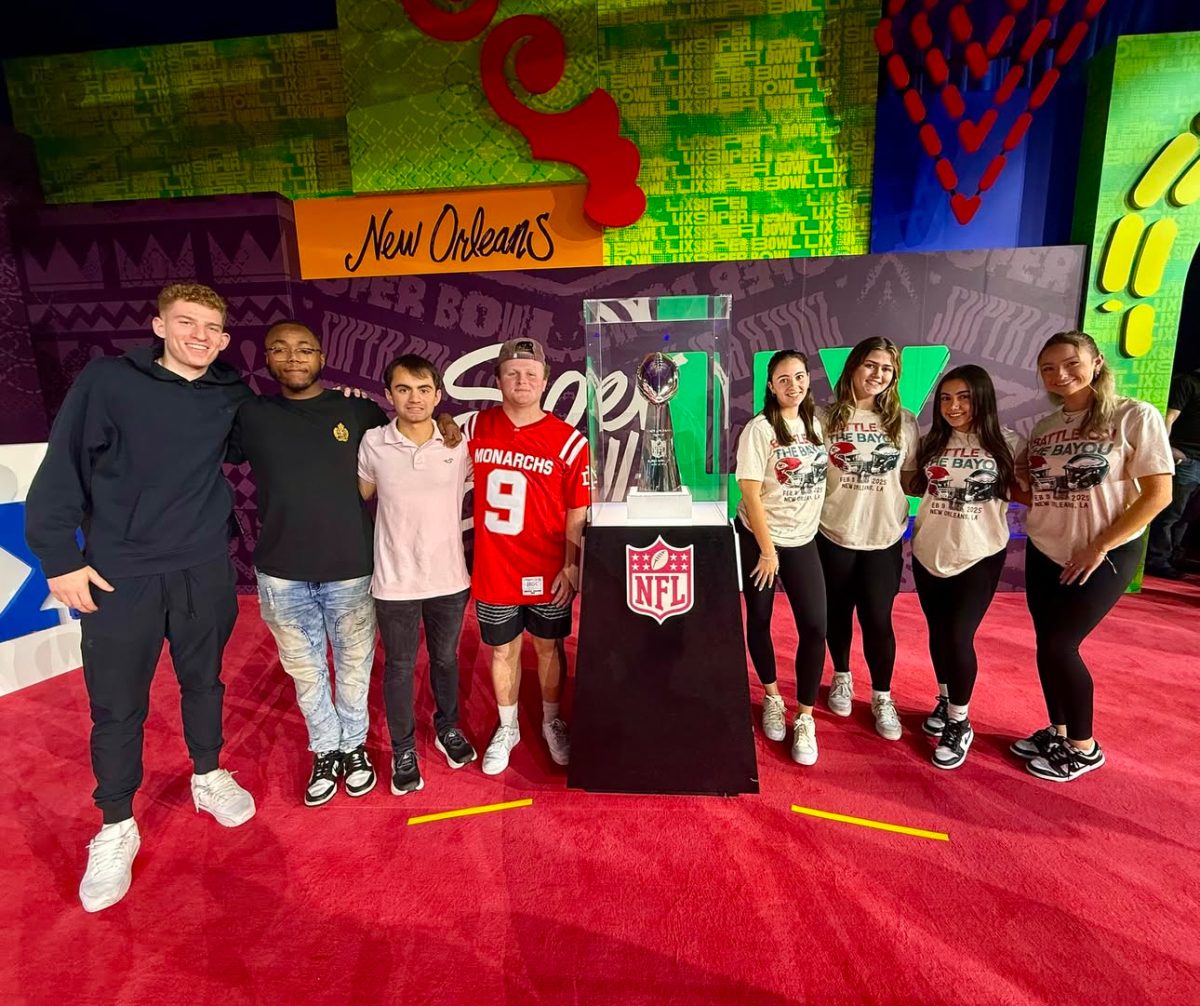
[(1163, 170), (1140, 269), (1152, 260)]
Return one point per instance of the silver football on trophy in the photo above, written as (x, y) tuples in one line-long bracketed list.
[(657, 378), (657, 382)]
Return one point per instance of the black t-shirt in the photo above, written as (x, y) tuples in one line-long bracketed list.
[(304, 455), (1185, 396)]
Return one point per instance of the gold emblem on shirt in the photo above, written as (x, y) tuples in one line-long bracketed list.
[(340, 433)]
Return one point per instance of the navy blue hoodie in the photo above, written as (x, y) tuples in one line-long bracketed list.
[(134, 460)]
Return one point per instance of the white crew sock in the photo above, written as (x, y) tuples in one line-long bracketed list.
[(943, 691), (508, 715), (550, 710), (880, 695), (956, 712)]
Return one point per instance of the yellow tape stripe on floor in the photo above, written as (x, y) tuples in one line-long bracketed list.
[(468, 811), (937, 836)]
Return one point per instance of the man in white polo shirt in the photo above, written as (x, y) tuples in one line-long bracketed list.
[(420, 570)]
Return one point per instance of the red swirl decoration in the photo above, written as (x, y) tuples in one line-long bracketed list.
[(450, 26), (587, 136)]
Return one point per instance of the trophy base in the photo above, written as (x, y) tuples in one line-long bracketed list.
[(675, 505)]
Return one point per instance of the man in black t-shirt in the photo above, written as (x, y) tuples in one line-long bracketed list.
[(1183, 423), (313, 558)]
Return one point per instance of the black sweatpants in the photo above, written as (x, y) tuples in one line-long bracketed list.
[(800, 574), (866, 581), (1063, 617), (193, 610), (954, 606)]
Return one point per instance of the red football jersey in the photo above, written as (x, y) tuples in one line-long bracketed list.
[(526, 479)]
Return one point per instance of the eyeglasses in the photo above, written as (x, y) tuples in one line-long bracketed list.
[(303, 353)]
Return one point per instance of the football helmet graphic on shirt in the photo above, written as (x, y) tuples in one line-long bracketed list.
[(792, 473), (1080, 473), (978, 487), (847, 457)]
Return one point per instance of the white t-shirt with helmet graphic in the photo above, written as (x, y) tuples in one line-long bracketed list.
[(962, 518), (792, 477), (865, 505), (1081, 485)]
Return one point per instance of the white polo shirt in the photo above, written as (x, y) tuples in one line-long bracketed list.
[(418, 534)]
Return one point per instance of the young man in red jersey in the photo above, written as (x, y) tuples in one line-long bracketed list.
[(531, 498)]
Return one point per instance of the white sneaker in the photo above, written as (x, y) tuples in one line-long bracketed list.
[(774, 720), (495, 758), (217, 793), (841, 694), (887, 721), (804, 740), (110, 866), (555, 733)]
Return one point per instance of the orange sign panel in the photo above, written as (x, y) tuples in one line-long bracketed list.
[(468, 230)]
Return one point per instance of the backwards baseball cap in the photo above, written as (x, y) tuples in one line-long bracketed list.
[(521, 349)]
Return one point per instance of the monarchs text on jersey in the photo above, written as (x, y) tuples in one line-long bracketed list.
[(526, 479)]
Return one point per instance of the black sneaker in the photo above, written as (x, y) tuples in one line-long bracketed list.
[(358, 772), (955, 743), (1065, 762), (406, 775), (935, 722), (455, 747), (1037, 744), (323, 783)]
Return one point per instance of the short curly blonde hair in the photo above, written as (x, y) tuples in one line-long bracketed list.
[(193, 293)]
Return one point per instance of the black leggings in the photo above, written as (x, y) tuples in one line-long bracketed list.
[(867, 580), (954, 606), (1063, 617), (800, 574)]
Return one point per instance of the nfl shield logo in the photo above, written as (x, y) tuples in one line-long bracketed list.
[(658, 580)]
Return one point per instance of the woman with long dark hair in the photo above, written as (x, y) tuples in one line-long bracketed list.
[(1100, 468), (781, 464), (872, 444), (968, 468)]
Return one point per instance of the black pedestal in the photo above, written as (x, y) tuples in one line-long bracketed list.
[(661, 707)]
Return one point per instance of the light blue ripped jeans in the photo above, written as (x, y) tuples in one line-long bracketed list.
[(302, 617)]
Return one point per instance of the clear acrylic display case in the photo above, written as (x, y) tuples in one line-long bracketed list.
[(693, 334)]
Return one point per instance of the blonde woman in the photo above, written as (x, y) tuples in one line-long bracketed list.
[(1100, 468), (872, 445)]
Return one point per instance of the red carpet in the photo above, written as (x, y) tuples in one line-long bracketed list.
[(1065, 894)]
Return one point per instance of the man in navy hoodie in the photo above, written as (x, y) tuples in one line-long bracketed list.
[(134, 460)]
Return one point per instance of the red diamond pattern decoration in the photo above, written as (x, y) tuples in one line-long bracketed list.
[(977, 55)]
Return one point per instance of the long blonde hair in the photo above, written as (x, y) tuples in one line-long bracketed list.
[(887, 401), (1099, 420)]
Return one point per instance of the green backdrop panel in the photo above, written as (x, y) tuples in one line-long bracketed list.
[(260, 114), (1140, 144), (755, 119)]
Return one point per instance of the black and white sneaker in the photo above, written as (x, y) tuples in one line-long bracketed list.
[(935, 722), (1036, 745), (406, 775), (455, 747), (358, 772), (955, 743), (323, 783), (1065, 762)]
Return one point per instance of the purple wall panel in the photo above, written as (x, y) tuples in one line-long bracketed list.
[(22, 411)]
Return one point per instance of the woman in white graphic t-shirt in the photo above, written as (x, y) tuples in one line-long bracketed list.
[(781, 471), (968, 470), (872, 445), (1100, 469)]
